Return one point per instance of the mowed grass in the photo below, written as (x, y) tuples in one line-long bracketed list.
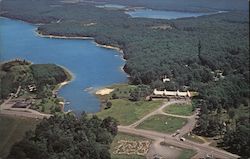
[(180, 109), (162, 123), (194, 138), (127, 112), (12, 129), (184, 153), (123, 136), (122, 90)]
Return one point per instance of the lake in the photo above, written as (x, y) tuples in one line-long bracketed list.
[(92, 66), (154, 14), (111, 6), (158, 14)]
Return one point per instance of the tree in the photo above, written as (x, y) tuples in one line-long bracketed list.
[(67, 136)]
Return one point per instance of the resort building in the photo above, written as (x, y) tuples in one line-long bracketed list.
[(166, 93)]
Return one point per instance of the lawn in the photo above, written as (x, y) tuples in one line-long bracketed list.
[(123, 136), (12, 129), (184, 153), (127, 112), (122, 90), (179, 109), (163, 123), (194, 138)]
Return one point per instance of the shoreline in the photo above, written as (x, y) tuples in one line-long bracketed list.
[(70, 78), (63, 37), (87, 38), (40, 34), (101, 91)]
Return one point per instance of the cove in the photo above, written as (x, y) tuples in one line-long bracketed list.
[(158, 14), (92, 66)]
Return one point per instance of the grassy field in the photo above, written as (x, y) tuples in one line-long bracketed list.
[(122, 90), (184, 153), (163, 123), (180, 109), (127, 112), (194, 138), (123, 136), (12, 129)]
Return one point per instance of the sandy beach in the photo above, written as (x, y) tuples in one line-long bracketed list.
[(104, 91), (109, 47)]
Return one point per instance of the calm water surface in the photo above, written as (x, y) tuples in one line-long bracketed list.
[(92, 66), (111, 6), (157, 14)]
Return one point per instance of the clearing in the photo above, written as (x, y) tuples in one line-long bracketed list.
[(185, 109), (162, 123), (127, 112)]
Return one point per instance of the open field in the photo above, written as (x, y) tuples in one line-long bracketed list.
[(163, 123), (195, 138), (12, 129), (186, 154), (183, 153), (127, 112), (126, 137), (179, 109)]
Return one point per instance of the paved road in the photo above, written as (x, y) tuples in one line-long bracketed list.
[(25, 113), (6, 108), (202, 149)]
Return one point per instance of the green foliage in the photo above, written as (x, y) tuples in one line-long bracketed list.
[(140, 92), (22, 73), (191, 53), (180, 109), (67, 137), (108, 105), (13, 129), (238, 139), (49, 74), (128, 112)]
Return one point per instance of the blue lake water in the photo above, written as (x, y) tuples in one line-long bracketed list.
[(91, 65), (111, 6), (157, 14)]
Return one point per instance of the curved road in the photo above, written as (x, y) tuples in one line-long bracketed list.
[(201, 149)]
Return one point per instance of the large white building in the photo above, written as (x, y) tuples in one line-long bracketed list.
[(172, 93)]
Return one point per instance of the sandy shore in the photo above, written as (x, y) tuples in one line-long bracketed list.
[(104, 91), (109, 47), (81, 38)]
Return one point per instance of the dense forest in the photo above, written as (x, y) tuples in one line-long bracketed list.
[(68, 137), (208, 54)]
